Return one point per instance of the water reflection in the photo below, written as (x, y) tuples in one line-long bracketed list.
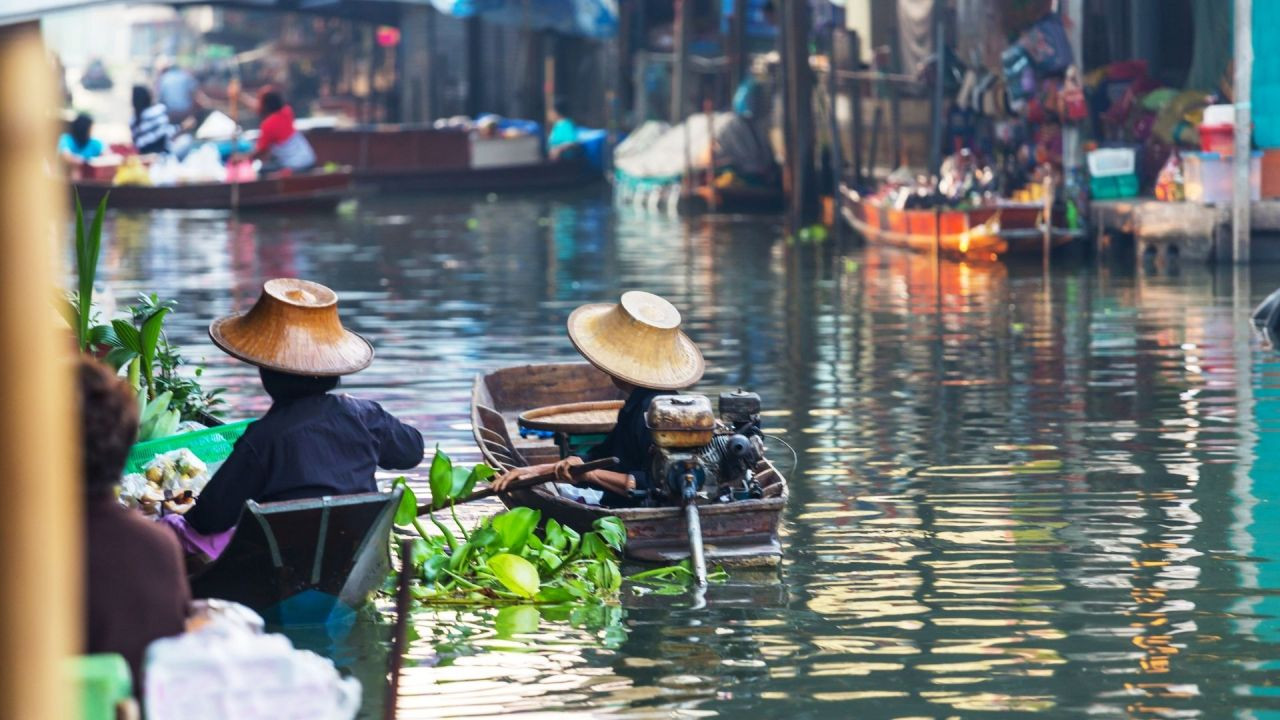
[(1015, 493)]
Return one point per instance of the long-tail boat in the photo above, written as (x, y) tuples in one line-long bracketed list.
[(743, 532), (985, 232)]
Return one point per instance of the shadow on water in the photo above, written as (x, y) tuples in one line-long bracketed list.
[(1015, 493)]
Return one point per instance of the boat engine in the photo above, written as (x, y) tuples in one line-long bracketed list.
[(694, 456)]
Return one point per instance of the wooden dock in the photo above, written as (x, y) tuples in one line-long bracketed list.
[(1190, 232)]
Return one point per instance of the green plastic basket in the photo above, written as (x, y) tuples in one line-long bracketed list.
[(104, 682), (211, 445)]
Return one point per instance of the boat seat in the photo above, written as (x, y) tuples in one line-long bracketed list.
[(336, 546)]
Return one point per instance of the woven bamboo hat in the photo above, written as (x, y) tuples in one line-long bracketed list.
[(293, 328), (637, 340)]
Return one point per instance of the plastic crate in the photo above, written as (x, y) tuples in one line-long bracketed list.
[(1113, 187), (211, 445), (1111, 162), (104, 682)]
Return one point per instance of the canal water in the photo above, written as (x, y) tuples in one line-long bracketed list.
[(1013, 494)]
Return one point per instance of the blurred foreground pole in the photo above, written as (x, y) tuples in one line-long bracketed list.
[(40, 517), (1241, 205)]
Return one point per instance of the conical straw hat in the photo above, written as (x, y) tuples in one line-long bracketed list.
[(637, 340), (293, 328)]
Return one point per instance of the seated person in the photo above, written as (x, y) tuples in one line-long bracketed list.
[(135, 579), (77, 146), (311, 443), (638, 343), (280, 146), (152, 131), (562, 142)]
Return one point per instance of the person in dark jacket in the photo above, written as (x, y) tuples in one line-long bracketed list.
[(312, 442), (135, 578), (639, 344)]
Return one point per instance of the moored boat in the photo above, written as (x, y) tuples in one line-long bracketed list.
[(406, 157), (986, 232), (303, 191), (742, 532)]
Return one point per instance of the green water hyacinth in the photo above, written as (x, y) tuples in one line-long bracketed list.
[(504, 559)]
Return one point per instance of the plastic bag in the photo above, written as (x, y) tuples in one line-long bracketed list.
[(1047, 46), (132, 172), (202, 165), (229, 669)]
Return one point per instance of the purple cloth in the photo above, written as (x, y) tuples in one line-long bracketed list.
[(194, 542)]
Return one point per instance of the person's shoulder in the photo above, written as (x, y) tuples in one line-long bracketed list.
[(358, 406)]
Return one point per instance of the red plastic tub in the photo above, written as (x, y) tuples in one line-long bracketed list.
[(1218, 139)]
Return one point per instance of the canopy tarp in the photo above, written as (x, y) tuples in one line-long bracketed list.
[(592, 18)]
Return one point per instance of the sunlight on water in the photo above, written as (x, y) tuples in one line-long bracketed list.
[(1012, 497)]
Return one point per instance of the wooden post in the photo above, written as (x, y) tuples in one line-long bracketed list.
[(415, 63), (679, 66), (1241, 204), (798, 95), (475, 66), (1072, 154), (41, 516), (834, 65), (936, 151), (738, 64)]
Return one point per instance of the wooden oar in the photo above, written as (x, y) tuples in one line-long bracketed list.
[(526, 483)]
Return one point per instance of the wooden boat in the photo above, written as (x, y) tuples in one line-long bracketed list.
[(738, 533), (402, 157), (980, 233), (304, 191), (303, 562)]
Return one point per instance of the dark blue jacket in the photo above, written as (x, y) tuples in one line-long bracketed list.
[(629, 441), (306, 447)]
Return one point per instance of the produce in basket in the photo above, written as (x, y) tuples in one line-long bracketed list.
[(166, 476)]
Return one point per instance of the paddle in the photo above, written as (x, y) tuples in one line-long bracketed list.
[(526, 483)]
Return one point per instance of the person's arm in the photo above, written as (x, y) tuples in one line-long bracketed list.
[(400, 445), (239, 479)]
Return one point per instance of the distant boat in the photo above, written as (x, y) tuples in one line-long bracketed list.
[(423, 158), (303, 191), (987, 232)]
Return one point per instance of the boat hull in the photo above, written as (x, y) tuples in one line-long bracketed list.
[(306, 191), (431, 160), (743, 533)]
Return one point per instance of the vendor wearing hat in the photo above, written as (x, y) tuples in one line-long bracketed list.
[(638, 343), (312, 442)]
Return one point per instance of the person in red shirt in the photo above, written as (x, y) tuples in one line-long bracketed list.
[(280, 146)]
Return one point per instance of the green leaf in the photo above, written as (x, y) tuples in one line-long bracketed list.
[(419, 553), (127, 335), (555, 537), (434, 566), (612, 531), (119, 357), (440, 479), (514, 527), (148, 339), (407, 511), (606, 575), (478, 474), (485, 537), (594, 547), (457, 489), (554, 594), (516, 574)]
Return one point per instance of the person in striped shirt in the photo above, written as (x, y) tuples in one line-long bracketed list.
[(152, 130)]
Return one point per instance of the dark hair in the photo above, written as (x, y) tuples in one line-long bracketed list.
[(561, 106), (141, 99), (287, 386), (270, 102), (108, 424), (80, 129)]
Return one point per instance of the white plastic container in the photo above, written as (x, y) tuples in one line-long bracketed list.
[(1110, 162), (1206, 177), (1219, 115)]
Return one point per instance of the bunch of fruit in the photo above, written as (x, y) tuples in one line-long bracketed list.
[(175, 475)]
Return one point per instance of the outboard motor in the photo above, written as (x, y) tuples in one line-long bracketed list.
[(1267, 315), (695, 458)]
